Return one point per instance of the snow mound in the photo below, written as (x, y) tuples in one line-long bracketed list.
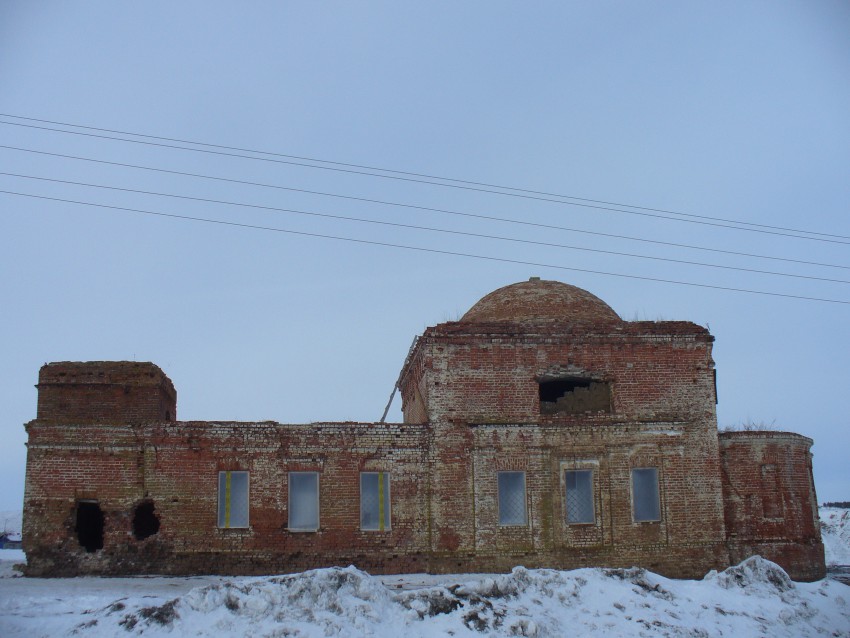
[(323, 602), (330, 600), (754, 598), (835, 530), (754, 572)]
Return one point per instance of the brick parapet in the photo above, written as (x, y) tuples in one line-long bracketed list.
[(549, 329), (104, 391)]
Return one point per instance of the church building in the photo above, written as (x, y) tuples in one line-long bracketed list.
[(540, 429)]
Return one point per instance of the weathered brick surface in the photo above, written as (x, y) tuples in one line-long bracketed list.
[(770, 501), (471, 405), (91, 391), (176, 465), (481, 384)]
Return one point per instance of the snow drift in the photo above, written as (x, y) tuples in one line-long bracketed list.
[(753, 598), (835, 530)]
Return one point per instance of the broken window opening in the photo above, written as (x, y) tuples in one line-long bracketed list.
[(90, 525), (574, 395), (145, 521)]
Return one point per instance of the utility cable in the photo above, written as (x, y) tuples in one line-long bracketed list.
[(388, 170), (688, 218), (427, 208), (371, 242), (426, 228)]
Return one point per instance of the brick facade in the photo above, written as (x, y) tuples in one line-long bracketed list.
[(538, 383)]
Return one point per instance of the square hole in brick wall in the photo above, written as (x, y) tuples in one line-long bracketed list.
[(574, 395)]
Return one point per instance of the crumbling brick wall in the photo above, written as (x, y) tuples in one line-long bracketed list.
[(104, 391), (538, 383), (175, 467)]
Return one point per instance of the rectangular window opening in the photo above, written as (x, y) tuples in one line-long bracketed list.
[(573, 395), (303, 501), (512, 502), (646, 504), (579, 497), (232, 499), (375, 501)]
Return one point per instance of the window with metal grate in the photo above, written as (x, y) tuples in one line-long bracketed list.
[(579, 499), (512, 505)]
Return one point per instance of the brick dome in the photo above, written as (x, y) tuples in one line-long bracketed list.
[(539, 300)]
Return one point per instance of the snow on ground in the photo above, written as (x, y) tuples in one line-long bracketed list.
[(835, 530), (8, 559), (754, 598)]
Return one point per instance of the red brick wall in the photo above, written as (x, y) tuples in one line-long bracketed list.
[(489, 372), (481, 398), (104, 391), (770, 500), (176, 466)]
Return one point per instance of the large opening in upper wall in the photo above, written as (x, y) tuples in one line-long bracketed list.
[(574, 395), (90, 525)]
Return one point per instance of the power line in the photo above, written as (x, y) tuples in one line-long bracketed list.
[(641, 211), (427, 208), (425, 228), (394, 171), (427, 250)]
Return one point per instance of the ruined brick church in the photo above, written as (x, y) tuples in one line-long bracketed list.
[(540, 429)]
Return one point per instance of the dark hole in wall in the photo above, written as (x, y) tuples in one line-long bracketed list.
[(145, 521), (571, 395), (90, 525)]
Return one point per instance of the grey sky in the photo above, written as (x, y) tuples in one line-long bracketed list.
[(723, 109)]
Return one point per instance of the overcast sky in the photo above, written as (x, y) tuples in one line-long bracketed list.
[(729, 112)]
